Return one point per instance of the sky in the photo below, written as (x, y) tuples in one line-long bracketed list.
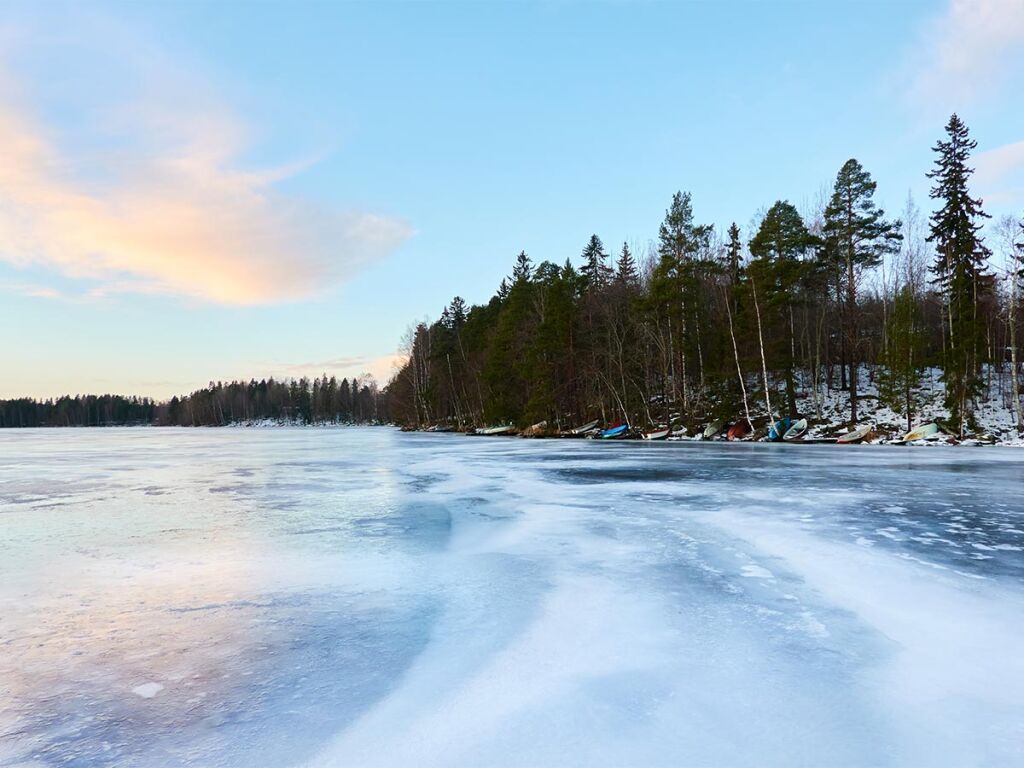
[(208, 191)]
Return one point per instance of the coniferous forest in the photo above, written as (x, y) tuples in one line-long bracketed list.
[(322, 400), (705, 323)]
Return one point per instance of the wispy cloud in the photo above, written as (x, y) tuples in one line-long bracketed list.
[(967, 51), (173, 213), (33, 291), (380, 367), (999, 174)]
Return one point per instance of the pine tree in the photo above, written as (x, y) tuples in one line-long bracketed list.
[(856, 237), (959, 268), (777, 269)]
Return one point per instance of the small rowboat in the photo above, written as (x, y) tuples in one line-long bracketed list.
[(739, 430), (856, 434), (619, 430), (921, 433), (584, 429), (679, 432), (713, 428), (779, 428), (507, 429), (796, 431), (660, 434)]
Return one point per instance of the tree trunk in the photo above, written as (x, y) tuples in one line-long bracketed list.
[(760, 339)]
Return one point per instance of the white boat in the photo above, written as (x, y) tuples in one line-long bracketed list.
[(660, 434), (796, 431), (713, 428), (590, 426), (922, 433), (856, 434), (503, 430)]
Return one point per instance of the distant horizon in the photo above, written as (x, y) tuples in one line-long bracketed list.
[(197, 194)]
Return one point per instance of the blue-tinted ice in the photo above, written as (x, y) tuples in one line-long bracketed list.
[(331, 597)]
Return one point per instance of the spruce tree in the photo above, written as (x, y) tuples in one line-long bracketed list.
[(959, 268), (856, 237), (595, 267), (733, 253), (625, 267), (523, 269), (503, 289), (674, 287)]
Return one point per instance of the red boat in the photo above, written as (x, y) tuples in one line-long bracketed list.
[(739, 430)]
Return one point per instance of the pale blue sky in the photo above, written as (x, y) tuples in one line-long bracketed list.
[(198, 191)]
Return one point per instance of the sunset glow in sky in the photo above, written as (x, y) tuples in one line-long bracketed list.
[(191, 192)]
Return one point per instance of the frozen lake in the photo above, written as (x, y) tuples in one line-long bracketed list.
[(340, 597)]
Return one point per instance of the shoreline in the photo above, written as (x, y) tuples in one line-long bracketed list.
[(940, 441)]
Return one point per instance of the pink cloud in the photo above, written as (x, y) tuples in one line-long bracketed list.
[(176, 216)]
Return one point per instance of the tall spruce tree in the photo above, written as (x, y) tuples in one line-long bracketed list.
[(595, 263), (625, 267), (856, 237), (959, 268), (733, 253)]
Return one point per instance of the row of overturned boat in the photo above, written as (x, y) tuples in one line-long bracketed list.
[(785, 430)]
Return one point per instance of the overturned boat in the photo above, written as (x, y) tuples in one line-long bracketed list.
[(506, 429), (855, 435)]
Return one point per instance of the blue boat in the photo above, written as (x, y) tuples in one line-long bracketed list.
[(779, 428), (613, 432)]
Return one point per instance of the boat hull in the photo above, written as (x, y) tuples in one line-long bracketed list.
[(661, 434), (855, 435), (712, 429), (779, 428), (921, 433), (739, 430), (795, 432)]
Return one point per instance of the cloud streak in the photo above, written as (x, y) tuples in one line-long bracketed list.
[(174, 214), (967, 50), (381, 367), (999, 174)]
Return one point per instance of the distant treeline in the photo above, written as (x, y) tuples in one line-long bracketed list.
[(320, 401), (78, 411), (682, 330)]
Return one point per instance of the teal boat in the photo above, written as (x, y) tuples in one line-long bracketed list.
[(779, 428)]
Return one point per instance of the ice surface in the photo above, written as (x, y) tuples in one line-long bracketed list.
[(364, 597)]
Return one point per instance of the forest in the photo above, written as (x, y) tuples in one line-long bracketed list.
[(703, 323), (302, 401)]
